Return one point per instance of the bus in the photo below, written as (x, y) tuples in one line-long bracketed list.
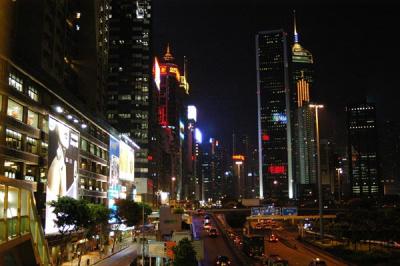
[(253, 246)]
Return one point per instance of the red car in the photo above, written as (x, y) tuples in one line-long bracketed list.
[(273, 238)]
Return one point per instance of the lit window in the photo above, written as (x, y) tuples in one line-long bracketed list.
[(110, 116), (45, 147), (32, 119), (31, 145), (45, 125), (33, 93), (84, 144), (124, 116), (15, 82), (14, 110), (125, 97), (13, 139)]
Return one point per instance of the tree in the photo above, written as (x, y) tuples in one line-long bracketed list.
[(72, 215), (130, 213), (184, 254)]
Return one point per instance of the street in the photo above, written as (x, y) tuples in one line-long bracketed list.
[(298, 254), (213, 247), (122, 258)]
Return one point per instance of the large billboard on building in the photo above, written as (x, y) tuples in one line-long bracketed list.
[(114, 186), (63, 156), (126, 162)]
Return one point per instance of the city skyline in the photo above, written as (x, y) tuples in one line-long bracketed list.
[(343, 73)]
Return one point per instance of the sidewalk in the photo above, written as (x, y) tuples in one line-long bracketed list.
[(95, 256)]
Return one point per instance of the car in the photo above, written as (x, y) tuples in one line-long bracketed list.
[(275, 260), (206, 217), (222, 261), (317, 262), (273, 238), (207, 226), (213, 232), (237, 241)]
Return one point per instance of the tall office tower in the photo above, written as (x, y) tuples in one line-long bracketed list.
[(64, 43), (129, 82), (362, 149), (172, 118), (274, 119), (389, 150), (303, 119), (189, 169), (212, 170), (328, 172)]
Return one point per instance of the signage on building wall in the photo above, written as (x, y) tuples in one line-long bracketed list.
[(126, 162), (279, 117), (276, 169), (63, 175), (157, 73)]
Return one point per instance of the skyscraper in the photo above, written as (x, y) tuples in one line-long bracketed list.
[(274, 119), (129, 79), (363, 150), (305, 163)]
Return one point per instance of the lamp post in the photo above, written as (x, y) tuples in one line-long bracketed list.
[(339, 172), (321, 229), (173, 179)]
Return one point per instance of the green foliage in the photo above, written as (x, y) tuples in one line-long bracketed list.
[(185, 255), (130, 212), (71, 214)]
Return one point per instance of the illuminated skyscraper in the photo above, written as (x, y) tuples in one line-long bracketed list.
[(304, 144), (363, 150), (129, 81), (274, 109)]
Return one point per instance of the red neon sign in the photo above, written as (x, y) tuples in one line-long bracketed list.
[(265, 137), (276, 169)]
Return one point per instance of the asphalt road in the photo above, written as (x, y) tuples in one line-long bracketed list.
[(301, 255), (122, 258), (213, 247)]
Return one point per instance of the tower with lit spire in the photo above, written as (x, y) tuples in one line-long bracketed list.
[(303, 118)]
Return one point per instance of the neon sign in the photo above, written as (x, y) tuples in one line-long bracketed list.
[(276, 169), (279, 117)]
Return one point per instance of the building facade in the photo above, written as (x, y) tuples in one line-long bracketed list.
[(274, 103), (130, 83), (362, 150)]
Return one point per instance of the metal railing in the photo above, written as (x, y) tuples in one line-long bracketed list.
[(19, 218)]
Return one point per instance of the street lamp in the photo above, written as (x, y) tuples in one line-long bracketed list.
[(321, 229), (173, 179), (339, 172)]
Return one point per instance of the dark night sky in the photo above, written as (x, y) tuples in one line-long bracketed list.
[(354, 47)]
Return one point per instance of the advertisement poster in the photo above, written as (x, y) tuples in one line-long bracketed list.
[(126, 162), (63, 156), (114, 186)]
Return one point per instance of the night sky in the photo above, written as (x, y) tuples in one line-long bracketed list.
[(355, 51)]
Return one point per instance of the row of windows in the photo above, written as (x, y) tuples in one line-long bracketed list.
[(14, 140), (93, 149), (17, 83), (94, 167), (16, 111)]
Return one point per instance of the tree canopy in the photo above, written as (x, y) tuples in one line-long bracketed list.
[(184, 254)]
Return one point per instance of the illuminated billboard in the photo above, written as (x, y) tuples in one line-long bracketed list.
[(114, 187), (157, 73), (181, 130), (192, 113), (62, 177), (198, 136), (279, 117), (126, 162)]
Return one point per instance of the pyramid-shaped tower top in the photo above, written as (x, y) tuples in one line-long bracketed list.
[(168, 56)]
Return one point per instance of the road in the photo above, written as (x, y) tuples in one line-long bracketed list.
[(122, 258), (213, 247), (298, 254)]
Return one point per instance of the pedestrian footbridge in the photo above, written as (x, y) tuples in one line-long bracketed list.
[(22, 240)]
